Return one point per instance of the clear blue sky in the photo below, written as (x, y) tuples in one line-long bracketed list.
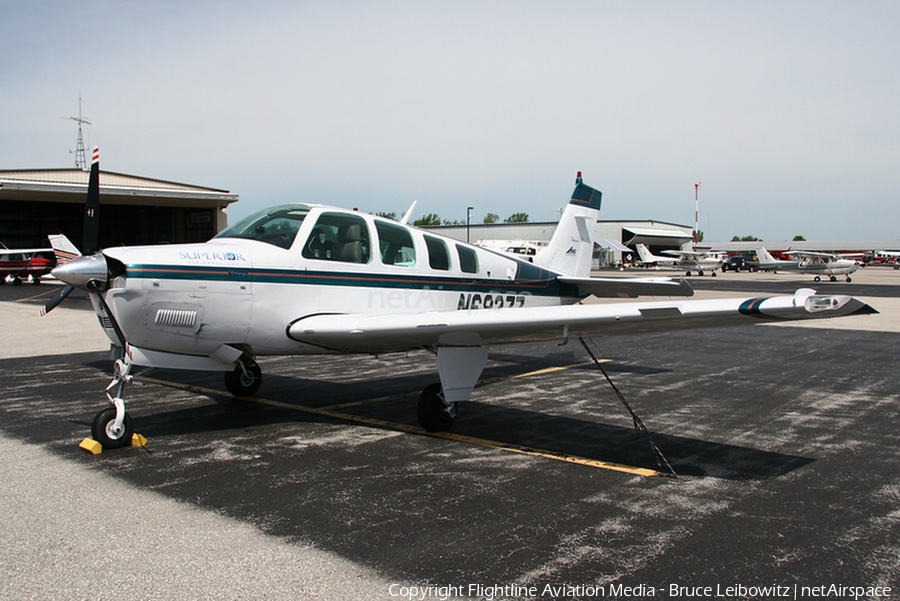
[(786, 111)]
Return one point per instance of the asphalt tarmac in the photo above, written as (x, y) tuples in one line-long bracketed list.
[(783, 439)]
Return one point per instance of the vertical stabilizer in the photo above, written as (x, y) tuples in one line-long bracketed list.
[(644, 253), (764, 257), (63, 248), (572, 246)]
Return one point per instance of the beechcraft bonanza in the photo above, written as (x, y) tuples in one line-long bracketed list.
[(811, 263), (311, 279)]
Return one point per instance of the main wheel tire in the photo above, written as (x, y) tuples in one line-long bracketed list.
[(434, 415), (239, 383), (103, 432)]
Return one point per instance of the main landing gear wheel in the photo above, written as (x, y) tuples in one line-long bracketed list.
[(103, 429), (245, 379), (435, 415), (817, 279)]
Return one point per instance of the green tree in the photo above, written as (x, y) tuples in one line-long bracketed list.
[(387, 215), (799, 239), (431, 219), (746, 239), (491, 218), (517, 218)]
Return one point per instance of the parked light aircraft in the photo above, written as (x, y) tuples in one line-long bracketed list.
[(697, 260), (645, 257), (887, 258), (691, 260), (22, 263), (814, 263), (313, 279)]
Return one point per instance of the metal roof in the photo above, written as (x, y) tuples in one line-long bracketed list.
[(70, 185)]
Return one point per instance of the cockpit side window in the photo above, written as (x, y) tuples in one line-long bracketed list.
[(339, 237), (277, 226), (395, 244)]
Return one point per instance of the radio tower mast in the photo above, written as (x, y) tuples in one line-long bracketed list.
[(80, 158)]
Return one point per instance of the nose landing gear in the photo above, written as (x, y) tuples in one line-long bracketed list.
[(113, 427)]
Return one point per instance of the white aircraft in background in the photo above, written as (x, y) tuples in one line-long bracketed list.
[(696, 260), (645, 257), (813, 263), (311, 279)]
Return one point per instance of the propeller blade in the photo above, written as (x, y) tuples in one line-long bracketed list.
[(90, 237), (57, 298), (92, 208)]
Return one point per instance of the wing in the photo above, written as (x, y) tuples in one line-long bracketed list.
[(811, 254), (23, 251), (631, 287), (398, 332)]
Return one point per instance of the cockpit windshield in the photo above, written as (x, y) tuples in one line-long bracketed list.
[(277, 225)]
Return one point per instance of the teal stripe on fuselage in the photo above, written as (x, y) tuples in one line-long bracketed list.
[(534, 280)]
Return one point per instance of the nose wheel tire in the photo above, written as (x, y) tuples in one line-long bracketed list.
[(434, 414), (103, 429), (244, 382)]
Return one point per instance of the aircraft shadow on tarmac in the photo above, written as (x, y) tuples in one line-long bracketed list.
[(390, 403)]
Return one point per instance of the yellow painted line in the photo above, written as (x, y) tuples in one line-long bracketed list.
[(617, 467), (36, 296), (539, 372)]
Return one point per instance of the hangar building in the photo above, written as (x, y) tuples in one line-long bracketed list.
[(133, 209)]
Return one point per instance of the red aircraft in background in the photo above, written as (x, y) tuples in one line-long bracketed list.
[(20, 263)]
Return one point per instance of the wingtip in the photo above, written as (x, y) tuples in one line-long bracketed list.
[(866, 309)]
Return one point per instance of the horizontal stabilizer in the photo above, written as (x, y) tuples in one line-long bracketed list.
[(631, 287)]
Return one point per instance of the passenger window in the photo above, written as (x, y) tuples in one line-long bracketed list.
[(339, 237), (438, 257), (468, 260), (396, 244)]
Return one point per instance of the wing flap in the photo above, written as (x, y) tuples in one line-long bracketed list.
[(398, 332), (631, 287)]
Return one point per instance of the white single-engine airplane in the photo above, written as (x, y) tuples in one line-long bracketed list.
[(313, 279), (645, 257), (811, 263), (692, 260)]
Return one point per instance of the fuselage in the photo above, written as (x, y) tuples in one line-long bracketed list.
[(246, 286), (812, 266), (22, 265)]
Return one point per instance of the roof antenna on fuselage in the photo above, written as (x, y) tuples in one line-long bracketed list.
[(408, 214)]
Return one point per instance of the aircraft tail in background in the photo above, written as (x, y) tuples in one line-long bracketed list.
[(63, 248)]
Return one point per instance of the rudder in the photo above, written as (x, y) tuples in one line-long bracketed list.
[(572, 245)]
